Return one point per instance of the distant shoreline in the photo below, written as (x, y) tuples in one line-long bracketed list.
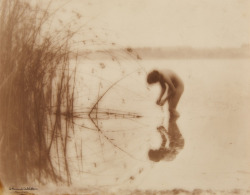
[(194, 53), (172, 53)]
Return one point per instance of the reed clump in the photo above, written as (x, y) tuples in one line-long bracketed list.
[(36, 95)]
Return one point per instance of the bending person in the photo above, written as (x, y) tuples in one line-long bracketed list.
[(167, 78)]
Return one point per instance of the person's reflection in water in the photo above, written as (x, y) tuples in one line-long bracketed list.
[(176, 142)]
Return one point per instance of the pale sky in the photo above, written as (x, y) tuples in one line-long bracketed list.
[(197, 23)]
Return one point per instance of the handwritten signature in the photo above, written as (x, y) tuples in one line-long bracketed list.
[(22, 188)]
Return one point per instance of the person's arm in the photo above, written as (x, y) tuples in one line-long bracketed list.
[(163, 89), (161, 130)]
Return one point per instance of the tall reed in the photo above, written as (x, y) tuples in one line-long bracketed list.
[(36, 95)]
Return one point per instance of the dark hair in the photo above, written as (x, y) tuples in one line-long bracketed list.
[(157, 155), (153, 77)]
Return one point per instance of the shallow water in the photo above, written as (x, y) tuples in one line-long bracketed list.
[(213, 121)]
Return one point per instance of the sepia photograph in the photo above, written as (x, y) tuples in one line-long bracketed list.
[(114, 97)]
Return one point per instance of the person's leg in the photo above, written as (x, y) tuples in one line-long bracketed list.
[(173, 101), (176, 140)]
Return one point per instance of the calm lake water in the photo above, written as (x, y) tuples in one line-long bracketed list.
[(214, 121)]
